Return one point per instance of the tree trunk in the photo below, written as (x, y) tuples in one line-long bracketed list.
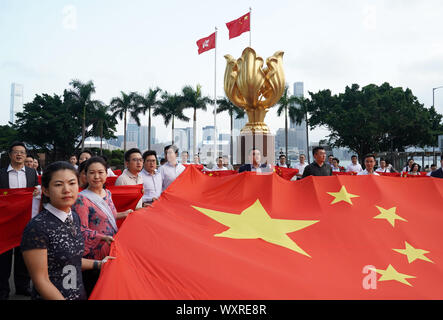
[(101, 138), (232, 139), (286, 133), (83, 127), (194, 133), (172, 130), (124, 135), (149, 128), (308, 154)]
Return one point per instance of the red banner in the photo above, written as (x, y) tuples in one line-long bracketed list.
[(285, 173), (125, 197), (15, 213), (258, 237), (222, 173)]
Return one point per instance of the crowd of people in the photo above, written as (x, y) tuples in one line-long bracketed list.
[(72, 235)]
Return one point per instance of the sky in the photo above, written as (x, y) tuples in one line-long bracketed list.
[(136, 45)]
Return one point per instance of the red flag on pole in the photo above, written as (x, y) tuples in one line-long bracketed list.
[(250, 236), (206, 44), (238, 26)]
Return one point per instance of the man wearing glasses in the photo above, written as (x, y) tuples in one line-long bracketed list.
[(16, 175), (152, 179), (131, 175)]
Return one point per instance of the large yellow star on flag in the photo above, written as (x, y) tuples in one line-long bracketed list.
[(389, 214), (413, 253), (391, 274), (255, 223), (342, 195)]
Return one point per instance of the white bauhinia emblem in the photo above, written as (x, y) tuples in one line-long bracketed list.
[(206, 44)]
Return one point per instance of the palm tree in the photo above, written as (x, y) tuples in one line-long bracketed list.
[(286, 102), (194, 99), (298, 114), (81, 96), (170, 107), (224, 104), (146, 103), (104, 121), (120, 106)]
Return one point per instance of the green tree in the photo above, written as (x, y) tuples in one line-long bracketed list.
[(373, 118), (194, 99), (7, 136), (80, 96), (48, 124), (147, 103), (171, 107), (224, 104), (120, 106), (104, 123)]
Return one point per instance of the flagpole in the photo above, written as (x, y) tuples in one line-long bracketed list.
[(215, 99), (250, 26)]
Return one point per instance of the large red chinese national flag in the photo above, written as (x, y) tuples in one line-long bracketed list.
[(206, 44), (238, 26), (15, 213), (125, 197), (251, 236)]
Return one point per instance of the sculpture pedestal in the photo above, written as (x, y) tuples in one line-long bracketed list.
[(263, 142)]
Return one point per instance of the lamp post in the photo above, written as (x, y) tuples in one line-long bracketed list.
[(433, 104)]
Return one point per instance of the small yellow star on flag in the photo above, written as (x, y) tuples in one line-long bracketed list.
[(255, 223), (389, 214), (391, 274), (413, 253), (342, 195)]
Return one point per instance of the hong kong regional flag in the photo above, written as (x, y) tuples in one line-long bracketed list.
[(238, 26), (206, 44)]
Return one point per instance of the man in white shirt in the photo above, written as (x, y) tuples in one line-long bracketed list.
[(282, 161), (131, 175), (73, 161), (255, 164), (331, 160), (227, 164), (409, 166), (383, 167), (171, 169), (369, 166), (152, 179), (300, 166), (219, 166), (354, 166)]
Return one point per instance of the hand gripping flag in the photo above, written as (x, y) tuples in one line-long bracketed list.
[(238, 26), (251, 236), (206, 44)]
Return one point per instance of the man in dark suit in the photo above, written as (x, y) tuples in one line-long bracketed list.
[(16, 175), (439, 172), (254, 163)]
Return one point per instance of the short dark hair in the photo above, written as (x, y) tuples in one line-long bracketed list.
[(282, 156), (314, 151), (382, 159), (369, 155), (353, 156), (95, 159), (49, 172), (433, 165), (336, 159), (30, 156), (220, 157), (174, 147), (15, 144), (131, 151), (162, 161), (331, 155), (149, 153), (82, 166)]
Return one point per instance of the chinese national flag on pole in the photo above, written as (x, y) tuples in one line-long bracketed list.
[(238, 26), (255, 236), (206, 44)]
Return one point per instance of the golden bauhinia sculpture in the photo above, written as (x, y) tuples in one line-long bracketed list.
[(253, 87)]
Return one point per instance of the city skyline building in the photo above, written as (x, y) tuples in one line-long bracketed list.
[(16, 104)]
